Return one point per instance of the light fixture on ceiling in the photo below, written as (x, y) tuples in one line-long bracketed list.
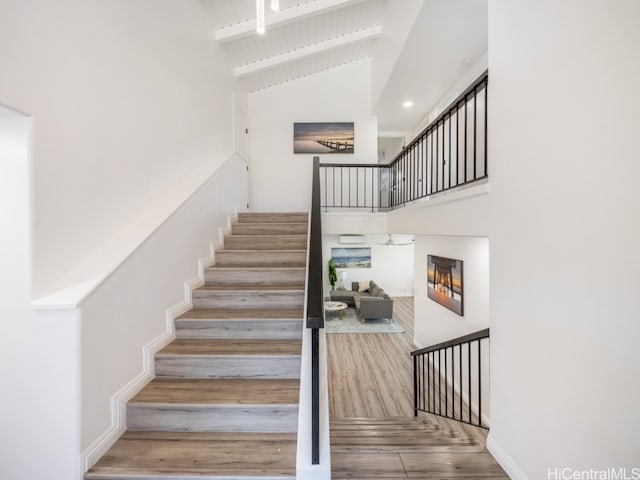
[(391, 243), (260, 16), (407, 104), (275, 5)]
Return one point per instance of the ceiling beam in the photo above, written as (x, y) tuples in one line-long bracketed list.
[(302, 52), (281, 17)]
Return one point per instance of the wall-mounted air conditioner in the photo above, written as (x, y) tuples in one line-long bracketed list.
[(352, 239)]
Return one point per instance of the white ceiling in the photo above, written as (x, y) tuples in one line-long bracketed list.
[(307, 37), (448, 36)]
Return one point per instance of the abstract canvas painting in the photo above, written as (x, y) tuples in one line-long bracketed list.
[(334, 137), (444, 282), (351, 257)]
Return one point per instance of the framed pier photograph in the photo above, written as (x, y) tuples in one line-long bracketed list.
[(444, 282), (335, 137)]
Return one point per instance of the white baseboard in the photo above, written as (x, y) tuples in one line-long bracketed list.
[(119, 400), (505, 460), (118, 421), (119, 404)]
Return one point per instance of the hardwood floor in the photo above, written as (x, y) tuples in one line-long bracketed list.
[(373, 431), (370, 375)]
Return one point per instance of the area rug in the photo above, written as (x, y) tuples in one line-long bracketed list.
[(350, 323)]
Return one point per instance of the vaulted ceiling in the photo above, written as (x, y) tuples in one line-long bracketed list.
[(309, 36)]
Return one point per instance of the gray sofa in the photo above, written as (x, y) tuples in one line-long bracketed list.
[(372, 303)]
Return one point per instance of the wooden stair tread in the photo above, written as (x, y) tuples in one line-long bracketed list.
[(397, 435), (232, 347), (266, 235), (391, 426), (205, 391), (242, 314), (160, 455), (268, 217), (261, 251), (257, 268), (382, 421), (271, 224), (252, 287)]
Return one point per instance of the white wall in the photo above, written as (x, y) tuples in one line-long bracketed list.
[(131, 108), (39, 352), (435, 323), (62, 369), (280, 180), (127, 99), (457, 213), (563, 152), (391, 268), (128, 311)]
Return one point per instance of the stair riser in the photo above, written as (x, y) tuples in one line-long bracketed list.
[(269, 229), (190, 418), (265, 242), (261, 258), (214, 276), (249, 217), (245, 329), (247, 299), (255, 366)]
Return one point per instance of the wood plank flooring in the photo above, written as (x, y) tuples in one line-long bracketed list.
[(175, 455), (208, 391), (373, 432)]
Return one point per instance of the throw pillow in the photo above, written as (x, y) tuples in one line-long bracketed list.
[(363, 286)]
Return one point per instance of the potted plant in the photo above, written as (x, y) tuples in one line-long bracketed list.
[(333, 275)]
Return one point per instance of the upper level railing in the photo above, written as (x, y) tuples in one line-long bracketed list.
[(449, 153), (315, 308), (447, 378)]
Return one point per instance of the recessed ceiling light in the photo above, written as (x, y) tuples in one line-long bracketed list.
[(407, 104)]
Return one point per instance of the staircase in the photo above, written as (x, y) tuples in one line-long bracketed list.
[(224, 402), (394, 448)]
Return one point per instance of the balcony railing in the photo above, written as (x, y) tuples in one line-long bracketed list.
[(451, 152)]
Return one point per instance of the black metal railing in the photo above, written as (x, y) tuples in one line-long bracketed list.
[(315, 308), (449, 153), (354, 186), (447, 378)]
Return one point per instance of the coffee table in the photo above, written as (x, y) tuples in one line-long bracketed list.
[(335, 307)]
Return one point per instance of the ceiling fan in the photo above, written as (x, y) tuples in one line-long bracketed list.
[(390, 242)]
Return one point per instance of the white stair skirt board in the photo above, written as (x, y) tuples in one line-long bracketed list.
[(504, 459), (119, 399)]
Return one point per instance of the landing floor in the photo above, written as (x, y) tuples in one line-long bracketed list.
[(371, 377)]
